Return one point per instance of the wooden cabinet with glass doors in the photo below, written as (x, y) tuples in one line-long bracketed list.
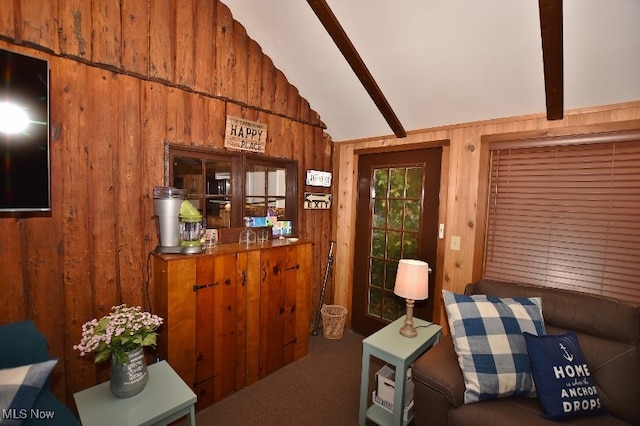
[(233, 315)]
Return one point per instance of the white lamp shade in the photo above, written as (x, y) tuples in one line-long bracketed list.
[(412, 279)]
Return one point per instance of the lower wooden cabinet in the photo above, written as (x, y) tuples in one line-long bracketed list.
[(234, 314)]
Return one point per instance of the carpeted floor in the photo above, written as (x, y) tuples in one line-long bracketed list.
[(321, 389)]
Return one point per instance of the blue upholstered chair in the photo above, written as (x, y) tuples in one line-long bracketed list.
[(21, 343)]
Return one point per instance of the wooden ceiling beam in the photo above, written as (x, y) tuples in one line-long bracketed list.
[(340, 38), (552, 54)]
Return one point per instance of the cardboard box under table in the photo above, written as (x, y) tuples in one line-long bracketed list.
[(384, 394)]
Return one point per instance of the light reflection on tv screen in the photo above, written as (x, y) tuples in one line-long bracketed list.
[(24, 133)]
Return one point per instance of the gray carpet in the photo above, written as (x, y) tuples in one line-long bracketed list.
[(321, 389)]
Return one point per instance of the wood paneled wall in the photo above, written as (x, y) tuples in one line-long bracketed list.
[(127, 76), (465, 167)]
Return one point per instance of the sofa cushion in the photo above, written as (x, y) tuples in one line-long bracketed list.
[(20, 386), (563, 380), (487, 336), (516, 410)]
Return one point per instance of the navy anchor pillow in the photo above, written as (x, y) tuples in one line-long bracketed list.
[(563, 381)]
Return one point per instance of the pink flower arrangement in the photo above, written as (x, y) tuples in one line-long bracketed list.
[(122, 330)]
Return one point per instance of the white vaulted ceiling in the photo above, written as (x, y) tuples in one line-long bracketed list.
[(441, 62)]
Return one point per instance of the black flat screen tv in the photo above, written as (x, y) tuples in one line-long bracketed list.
[(25, 177)]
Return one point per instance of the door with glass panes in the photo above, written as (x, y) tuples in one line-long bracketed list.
[(397, 218)]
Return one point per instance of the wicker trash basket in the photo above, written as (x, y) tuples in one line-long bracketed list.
[(333, 317)]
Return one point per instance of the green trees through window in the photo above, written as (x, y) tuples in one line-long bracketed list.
[(395, 227)]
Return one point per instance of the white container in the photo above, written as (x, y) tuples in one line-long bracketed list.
[(408, 410), (386, 386)]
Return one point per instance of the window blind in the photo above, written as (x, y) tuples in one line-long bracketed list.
[(566, 216)]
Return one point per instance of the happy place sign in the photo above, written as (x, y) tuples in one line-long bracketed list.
[(245, 135)]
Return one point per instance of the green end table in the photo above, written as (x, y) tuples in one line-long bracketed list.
[(165, 399), (390, 346)]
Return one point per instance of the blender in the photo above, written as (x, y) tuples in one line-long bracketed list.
[(192, 228), (167, 202)]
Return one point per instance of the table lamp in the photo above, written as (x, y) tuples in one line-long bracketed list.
[(412, 283)]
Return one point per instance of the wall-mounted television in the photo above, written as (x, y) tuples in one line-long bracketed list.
[(25, 178)]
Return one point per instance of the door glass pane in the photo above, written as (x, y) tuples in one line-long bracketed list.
[(395, 227), (375, 302), (390, 275), (394, 245), (410, 245), (396, 183), (390, 307), (380, 182), (379, 213), (395, 214), (414, 182), (378, 243), (412, 215), (377, 272)]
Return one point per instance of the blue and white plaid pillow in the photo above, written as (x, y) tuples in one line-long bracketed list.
[(487, 336), (19, 388)]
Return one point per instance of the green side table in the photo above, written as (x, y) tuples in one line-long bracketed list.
[(165, 399), (390, 346)]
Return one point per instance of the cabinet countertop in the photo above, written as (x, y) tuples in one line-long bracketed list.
[(236, 248)]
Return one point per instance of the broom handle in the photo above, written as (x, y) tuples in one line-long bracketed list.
[(324, 286)]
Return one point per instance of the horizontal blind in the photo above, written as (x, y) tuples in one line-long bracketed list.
[(567, 217)]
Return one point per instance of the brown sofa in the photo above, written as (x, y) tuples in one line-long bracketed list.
[(609, 335)]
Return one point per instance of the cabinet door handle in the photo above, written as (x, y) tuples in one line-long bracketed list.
[(264, 274), (199, 382), (244, 277), (293, 267), (197, 287), (227, 281), (295, 340)]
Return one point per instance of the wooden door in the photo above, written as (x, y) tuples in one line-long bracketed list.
[(219, 316), (278, 293), (397, 218)]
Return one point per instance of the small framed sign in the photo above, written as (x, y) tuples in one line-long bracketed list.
[(245, 135), (317, 200), (318, 178)]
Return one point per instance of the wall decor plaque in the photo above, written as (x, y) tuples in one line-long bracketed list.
[(318, 178), (317, 200), (245, 135)]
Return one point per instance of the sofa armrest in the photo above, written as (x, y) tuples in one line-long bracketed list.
[(438, 369), (24, 344), (439, 384)]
